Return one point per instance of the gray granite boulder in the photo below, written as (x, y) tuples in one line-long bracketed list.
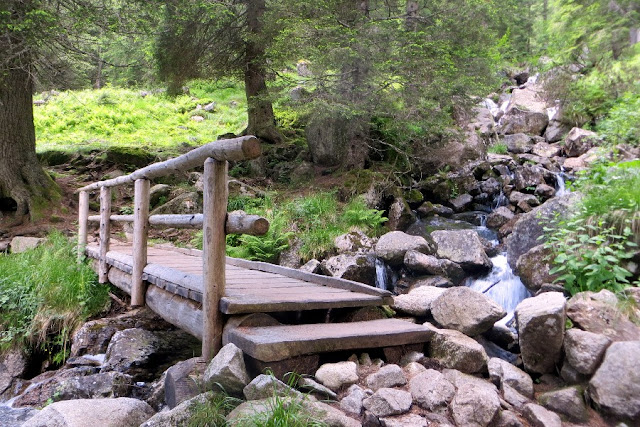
[(388, 401), (538, 416), (357, 267), (455, 350), (388, 376), (418, 301), (533, 268), (352, 401), (21, 244), (462, 247), (337, 375), (502, 372), (584, 350), (421, 263), (474, 407), (567, 402), (393, 246), (466, 310), (431, 390), (541, 321), (227, 370)]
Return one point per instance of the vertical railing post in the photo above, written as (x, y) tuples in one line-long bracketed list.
[(140, 233), (105, 231), (213, 256), (83, 220)]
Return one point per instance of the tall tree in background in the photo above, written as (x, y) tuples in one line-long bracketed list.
[(220, 39), (25, 188)]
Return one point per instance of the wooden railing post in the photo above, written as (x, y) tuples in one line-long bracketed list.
[(214, 256), (83, 219), (140, 234), (105, 232)]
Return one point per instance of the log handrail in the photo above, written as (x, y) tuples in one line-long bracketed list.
[(215, 223)]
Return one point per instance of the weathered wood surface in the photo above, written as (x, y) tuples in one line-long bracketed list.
[(105, 231), (238, 222), (249, 288), (279, 342), (242, 148), (83, 219), (140, 234)]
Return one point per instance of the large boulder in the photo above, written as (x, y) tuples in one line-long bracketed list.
[(13, 365), (120, 412), (502, 372), (499, 217), (354, 241), (518, 143), (388, 376), (615, 387), (555, 132), (567, 402), (182, 381), (400, 215), (530, 226), (541, 321), (455, 350), (421, 263), (357, 267), (227, 371), (393, 246), (598, 313), (185, 203), (431, 390), (533, 268), (584, 350), (388, 401), (335, 140), (538, 416), (525, 113), (337, 375), (466, 310), (180, 415), (528, 176), (578, 141), (15, 417), (21, 244), (265, 386), (106, 384), (462, 247), (418, 301), (474, 407)]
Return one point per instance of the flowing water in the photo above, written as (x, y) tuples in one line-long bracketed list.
[(383, 275), (501, 285), (561, 189)]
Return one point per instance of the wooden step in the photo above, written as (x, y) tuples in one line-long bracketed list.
[(280, 342)]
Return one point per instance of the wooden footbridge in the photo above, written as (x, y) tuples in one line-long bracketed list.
[(201, 291)]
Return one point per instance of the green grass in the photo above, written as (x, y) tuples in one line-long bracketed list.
[(44, 295), (314, 220), (497, 148), (213, 412), (122, 117)]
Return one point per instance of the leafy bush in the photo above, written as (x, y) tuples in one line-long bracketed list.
[(44, 295), (622, 125), (590, 247)]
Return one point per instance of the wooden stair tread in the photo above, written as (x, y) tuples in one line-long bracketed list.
[(280, 342)]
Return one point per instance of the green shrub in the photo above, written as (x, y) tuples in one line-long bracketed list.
[(622, 125), (498, 148), (44, 295), (213, 412)]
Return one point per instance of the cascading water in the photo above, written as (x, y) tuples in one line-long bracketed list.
[(382, 275), (561, 189), (501, 285)]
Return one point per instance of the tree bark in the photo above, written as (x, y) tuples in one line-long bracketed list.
[(25, 189), (262, 122)]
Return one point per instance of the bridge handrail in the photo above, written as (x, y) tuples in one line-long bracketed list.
[(215, 221)]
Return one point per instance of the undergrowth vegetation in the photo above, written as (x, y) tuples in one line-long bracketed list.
[(127, 117), (591, 246), (313, 221), (44, 295)]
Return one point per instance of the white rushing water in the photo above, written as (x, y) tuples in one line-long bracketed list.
[(561, 188), (382, 275), (501, 285)]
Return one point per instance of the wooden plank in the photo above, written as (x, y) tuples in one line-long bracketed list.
[(216, 194), (105, 231), (233, 305), (273, 343), (242, 148), (140, 234)]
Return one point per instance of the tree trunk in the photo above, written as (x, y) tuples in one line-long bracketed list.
[(262, 122), (25, 189)]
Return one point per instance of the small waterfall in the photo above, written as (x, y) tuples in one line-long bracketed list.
[(492, 107), (501, 285), (382, 275), (500, 200), (561, 189)]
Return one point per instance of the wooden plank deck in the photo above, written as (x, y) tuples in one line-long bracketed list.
[(251, 287)]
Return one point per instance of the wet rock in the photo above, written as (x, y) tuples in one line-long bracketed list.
[(357, 267), (584, 350), (455, 350), (265, 386), (615, 387), (462, 247), (465, 310), (418, 301), (388, 376), (400, 215), (494, 350), (107, 384), (540, 417), (545, 191), (21, 244), (228, 371), (461, 202), (518, 143), (431, 390), (502, 372), (499, 217), (474, 407), (530, 226), (528, 176), (15, 417), (388, 401), (393, 246), (540, 323), (579, 141), (337, 375), (533, 268), (598, 313), (45, 385), (407, 284), (567, 402), (120, 412), (524, 201), (352, 401), (354, 241)]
